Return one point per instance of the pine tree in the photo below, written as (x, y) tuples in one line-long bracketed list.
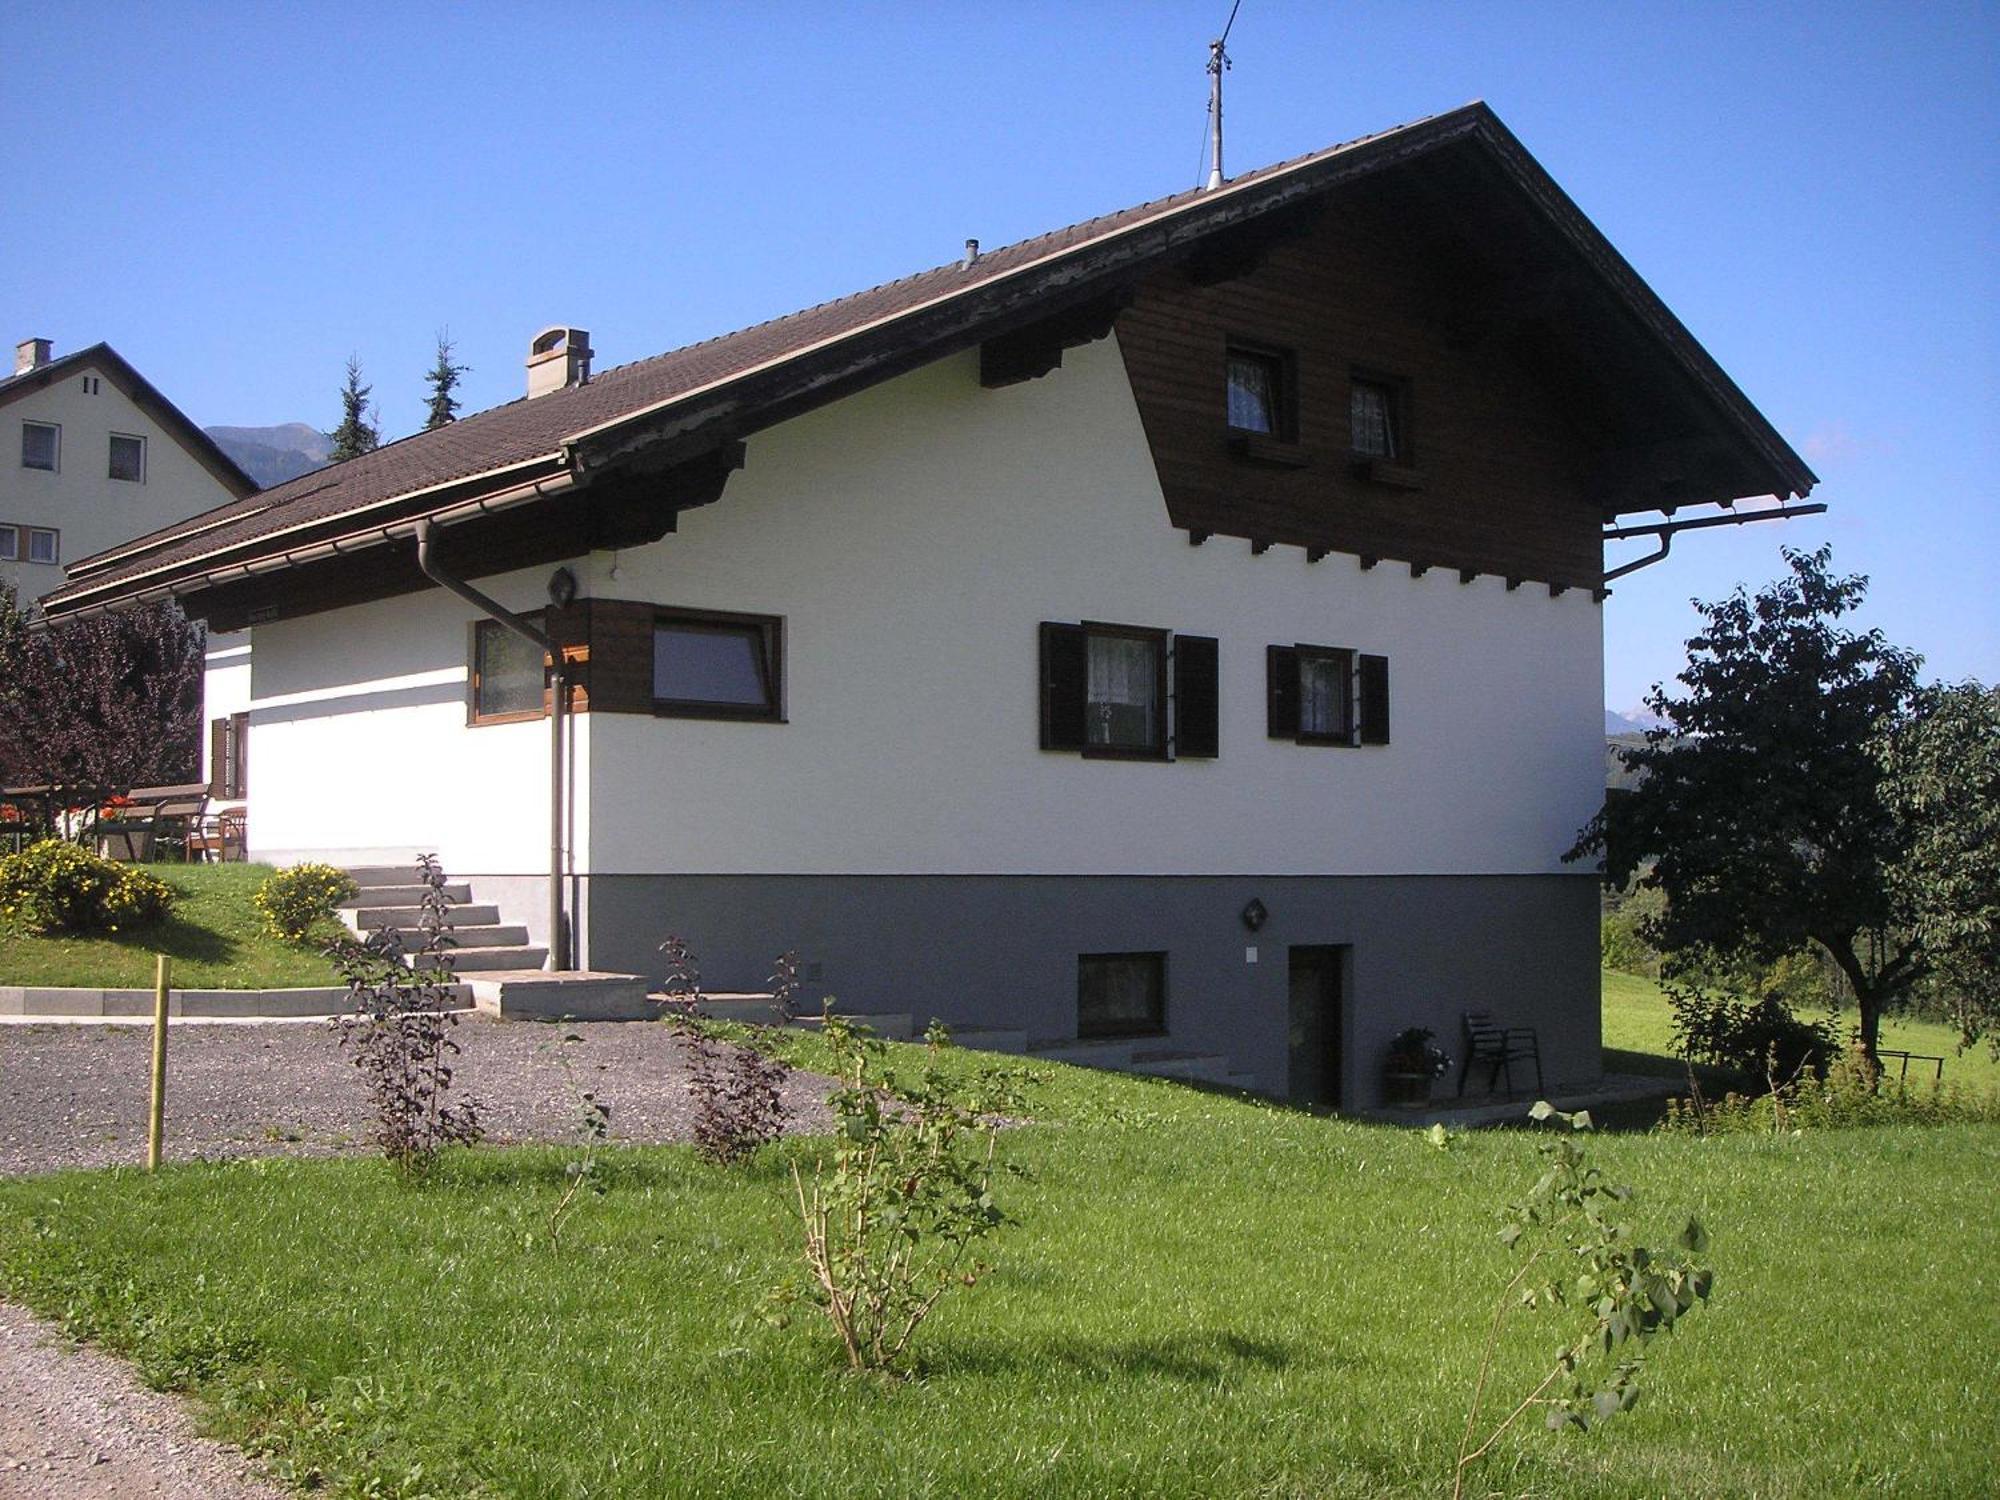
[(443, 378), (356, 434)]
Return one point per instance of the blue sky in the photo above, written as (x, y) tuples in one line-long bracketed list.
[(238, 197)]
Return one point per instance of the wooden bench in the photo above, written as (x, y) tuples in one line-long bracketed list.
[(1499, 1048)]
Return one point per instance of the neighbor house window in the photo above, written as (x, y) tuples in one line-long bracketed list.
[(41, 445), (1376, 419), (44, 545), (10, 543), (1105, 691), (712, 665), (509, 675), (1326, 695), (128, 457), (1121, 994)]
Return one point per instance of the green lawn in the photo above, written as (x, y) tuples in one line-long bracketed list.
[(1204, 1297), (1638, 1037), (215, 937)]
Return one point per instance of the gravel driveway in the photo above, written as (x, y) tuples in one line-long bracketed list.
[(75, 1095)]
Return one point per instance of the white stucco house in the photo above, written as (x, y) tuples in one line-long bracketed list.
[(95, 457), (1184, 625)]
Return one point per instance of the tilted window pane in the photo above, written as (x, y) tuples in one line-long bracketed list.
[(1122, 699), (1322, 695), (1372, 420), (511, 672), (710, 664), (1253, 394)]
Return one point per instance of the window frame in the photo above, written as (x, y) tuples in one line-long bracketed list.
[(1395, 390), (1283, 364), (111, 465), (54, 534), (1160, 640), (54, 466), (1156, 958), (770, 635), (475, 631)]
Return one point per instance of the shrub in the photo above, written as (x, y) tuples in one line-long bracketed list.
[(299, 898), (737, 1090), (56, 887), (399, 1032), (1752, 1037), (892, 1221), (1851, 1095)]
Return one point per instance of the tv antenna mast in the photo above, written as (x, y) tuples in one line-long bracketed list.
[(1218, 64)]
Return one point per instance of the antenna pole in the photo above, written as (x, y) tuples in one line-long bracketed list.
[(1218, 60)]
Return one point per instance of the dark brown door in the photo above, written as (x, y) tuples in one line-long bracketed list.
[(1315, 1026)]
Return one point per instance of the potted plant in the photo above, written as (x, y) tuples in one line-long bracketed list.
[(1413, 1061)]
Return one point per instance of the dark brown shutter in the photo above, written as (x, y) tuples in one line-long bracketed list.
[(1281, 692), (218, 757), (1197, 727), (1065, 680), (1374, 700)]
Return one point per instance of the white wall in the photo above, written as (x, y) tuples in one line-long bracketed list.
[(913, 536), (92, 510), (360, 751)]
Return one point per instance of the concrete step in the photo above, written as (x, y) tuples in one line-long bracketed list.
[(370, 876), (509, 935), (1116, 1055), (368, 918), (514, 959), (745, 1007), (581, 995), (1197, 1066), (990, 1039), (457, 892)]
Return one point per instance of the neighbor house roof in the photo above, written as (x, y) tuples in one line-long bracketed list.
[(143, 394), (737, 383)]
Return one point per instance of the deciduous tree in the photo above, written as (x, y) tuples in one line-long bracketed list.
[(1805, 789)]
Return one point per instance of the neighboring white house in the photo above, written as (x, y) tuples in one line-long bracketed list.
[(92, 457), (1185, 624)]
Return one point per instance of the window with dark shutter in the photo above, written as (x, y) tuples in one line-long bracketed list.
[(1326, 695), (1104, 690), (1065, 670), (1281, 692), (1197, 709)]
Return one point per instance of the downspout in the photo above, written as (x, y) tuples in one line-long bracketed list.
[(558, 706)]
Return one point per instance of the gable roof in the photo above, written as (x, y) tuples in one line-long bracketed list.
[(724, 388), (143, 394)]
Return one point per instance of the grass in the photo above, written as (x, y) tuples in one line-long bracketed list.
[(1638, 1038), (215, 937), (1204, 1297)]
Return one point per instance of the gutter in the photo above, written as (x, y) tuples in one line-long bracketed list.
[(558, 717), (1666, 530)]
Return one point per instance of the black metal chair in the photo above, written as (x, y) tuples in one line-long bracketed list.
[(1498, 1048)]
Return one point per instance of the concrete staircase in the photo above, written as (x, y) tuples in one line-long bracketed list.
[(1141, 1056), (495, 958)]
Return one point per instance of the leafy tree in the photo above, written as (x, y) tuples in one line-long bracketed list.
[(1806, 790), (443, 378), (99, 705), (356, 434)]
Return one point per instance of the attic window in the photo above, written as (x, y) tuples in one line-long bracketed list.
[(1259, 392), (41, 443), (1376, 419), (128, 457)]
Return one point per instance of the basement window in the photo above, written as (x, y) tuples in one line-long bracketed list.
[(1121, 994), (41, 445), (509, 675), (708, 664)]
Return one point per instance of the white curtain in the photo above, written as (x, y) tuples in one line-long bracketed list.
[(1123, 690)]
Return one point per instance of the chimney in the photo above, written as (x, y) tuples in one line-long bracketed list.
[(971, 253), (558, 359), (31, 354)]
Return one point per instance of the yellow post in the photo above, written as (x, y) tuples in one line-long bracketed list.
[(157, 1121)]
